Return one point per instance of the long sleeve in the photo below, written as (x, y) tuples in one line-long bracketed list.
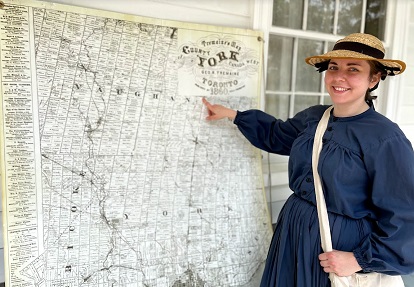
[(274, 135), (390, 248)]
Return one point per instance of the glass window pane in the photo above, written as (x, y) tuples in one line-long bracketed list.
[(279, 63), (277, 105), (307, 79), (375, 18), (331, 45), (303, 102), (349, 17), (287, 14), (321, 15)]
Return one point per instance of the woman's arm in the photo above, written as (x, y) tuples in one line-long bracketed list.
[(265, 131), (390, 247)]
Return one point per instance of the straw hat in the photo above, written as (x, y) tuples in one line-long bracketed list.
[(362, 47)]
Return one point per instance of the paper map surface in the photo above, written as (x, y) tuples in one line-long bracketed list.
[(111, 176)]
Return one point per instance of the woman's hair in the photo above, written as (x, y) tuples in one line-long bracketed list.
[(375, 68)]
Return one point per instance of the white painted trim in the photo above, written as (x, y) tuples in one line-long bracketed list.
[(305, 34), (262, 20), (203, 6), (397, 20), (305, 15), (336, 18), (293, 76), (399, 46)]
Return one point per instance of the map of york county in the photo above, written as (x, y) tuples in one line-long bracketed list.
[(111, 176)]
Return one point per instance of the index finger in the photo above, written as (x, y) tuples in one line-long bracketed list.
[(206, 102)]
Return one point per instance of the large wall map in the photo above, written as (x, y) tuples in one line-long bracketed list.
[(110, 174)]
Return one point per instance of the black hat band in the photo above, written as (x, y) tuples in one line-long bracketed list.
[(359, 48)]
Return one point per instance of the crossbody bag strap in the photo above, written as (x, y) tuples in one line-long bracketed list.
[(320, 198), (324, 228)]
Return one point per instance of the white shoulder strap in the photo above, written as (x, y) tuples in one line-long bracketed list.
[(320, 198), (324, 228)]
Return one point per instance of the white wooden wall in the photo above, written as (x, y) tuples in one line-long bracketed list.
[(405, 114)]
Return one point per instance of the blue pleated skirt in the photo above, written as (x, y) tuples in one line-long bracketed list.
[(292, 260)]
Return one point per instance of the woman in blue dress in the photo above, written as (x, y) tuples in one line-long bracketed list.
[(366, 167)]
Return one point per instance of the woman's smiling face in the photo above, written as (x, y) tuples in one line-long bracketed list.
[(347, 81)]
